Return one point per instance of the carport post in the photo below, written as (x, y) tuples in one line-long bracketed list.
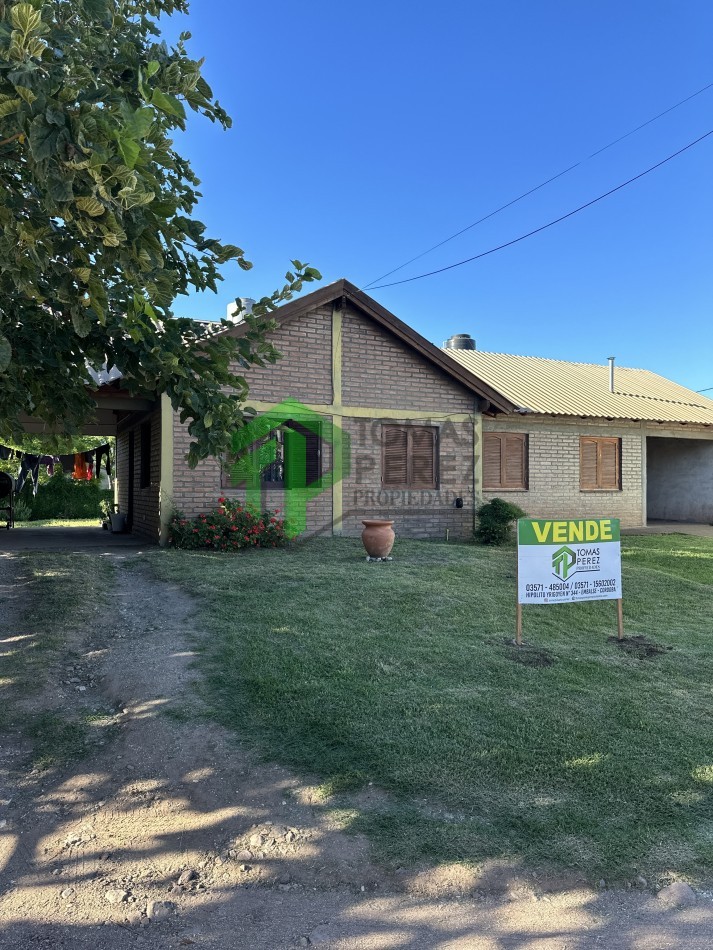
[(166, 484)]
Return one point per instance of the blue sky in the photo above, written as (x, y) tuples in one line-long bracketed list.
[(364, 133)]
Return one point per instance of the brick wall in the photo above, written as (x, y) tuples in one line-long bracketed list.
[(145, 515), (304, 371), (554, 469), (419, 513), (378, 370)]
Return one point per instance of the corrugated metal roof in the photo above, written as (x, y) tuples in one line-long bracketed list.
[(555, 387)]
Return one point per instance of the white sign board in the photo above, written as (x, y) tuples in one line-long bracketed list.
[(565, 561)]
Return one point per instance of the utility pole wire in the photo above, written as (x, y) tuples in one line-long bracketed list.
[(532, 191), (549, 224)]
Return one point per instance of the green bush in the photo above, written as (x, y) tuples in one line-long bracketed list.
[(63, 497), (22, 511), (231, 526), (495, 520)]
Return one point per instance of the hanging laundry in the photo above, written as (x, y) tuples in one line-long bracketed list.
[(6, 453), (89, 459), (104, 451), (30, 465), (80, 467)]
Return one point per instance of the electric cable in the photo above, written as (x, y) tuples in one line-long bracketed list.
[(549, 224), (526, 194)]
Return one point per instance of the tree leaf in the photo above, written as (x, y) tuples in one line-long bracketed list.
[(91, 206), (43, 138), (138, 124), (130, 151), (25, 18), (152, 68), (81, 322), (168, 104), (9, 106), (5, 353)]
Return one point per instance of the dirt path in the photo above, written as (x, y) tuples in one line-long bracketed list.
[(91, 855)]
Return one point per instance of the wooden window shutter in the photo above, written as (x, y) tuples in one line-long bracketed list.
[(423, 457), (505, 462), (588, 463), (394, 456), (514, 460), (491, 460), (599, 464), (609, 464)]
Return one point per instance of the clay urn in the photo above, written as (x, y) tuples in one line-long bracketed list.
[(378, 537)]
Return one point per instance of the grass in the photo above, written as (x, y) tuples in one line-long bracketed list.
[(400, 673), (60, 523)]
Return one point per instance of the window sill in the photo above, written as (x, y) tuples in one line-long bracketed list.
[(500, 488), (600, 491)]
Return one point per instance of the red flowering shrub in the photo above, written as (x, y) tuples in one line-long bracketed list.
[(229, 527)]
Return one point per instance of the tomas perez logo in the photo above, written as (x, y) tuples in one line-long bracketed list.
[(563, 562)]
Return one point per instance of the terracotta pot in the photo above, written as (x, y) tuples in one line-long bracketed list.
[(378, 537)]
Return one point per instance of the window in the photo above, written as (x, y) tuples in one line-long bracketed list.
[(505, 461), (145, 461), (599, 464), (292, 440), (409, 456)]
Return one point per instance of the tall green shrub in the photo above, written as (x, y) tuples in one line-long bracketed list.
[(63, 497)]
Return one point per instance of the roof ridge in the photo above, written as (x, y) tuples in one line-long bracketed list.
[(550, 359)]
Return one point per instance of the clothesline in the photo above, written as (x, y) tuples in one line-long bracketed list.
[(82, 465)]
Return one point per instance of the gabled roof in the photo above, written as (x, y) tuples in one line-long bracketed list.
[(555, 387), (388, 321)]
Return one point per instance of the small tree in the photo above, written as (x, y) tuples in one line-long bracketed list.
[(97, 234), (495, 521)]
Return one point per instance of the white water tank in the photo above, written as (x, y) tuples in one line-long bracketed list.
[(231, 311)]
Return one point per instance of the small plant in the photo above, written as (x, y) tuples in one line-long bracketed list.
[(22, 511), (106, 508), (495, 521), (229, 527)]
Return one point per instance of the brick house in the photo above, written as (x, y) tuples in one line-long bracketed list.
[(429, 433)]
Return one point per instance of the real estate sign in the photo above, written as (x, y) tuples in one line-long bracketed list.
[(564, 561)]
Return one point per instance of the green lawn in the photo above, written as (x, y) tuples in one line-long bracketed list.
[(61, 523), (400, 673)]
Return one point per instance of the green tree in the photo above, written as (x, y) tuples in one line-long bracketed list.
[(97, 233)]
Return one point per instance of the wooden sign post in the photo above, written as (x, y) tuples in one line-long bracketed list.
[(561, 562)]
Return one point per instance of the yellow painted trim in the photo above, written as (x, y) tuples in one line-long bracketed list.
[(166, 483), (369, 412), (477, 462), (337, 355), (337, 447)]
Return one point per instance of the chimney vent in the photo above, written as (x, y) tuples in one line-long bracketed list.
[(460, 341), (611, 373)]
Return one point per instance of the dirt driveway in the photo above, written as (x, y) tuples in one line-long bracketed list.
[(167, 832)]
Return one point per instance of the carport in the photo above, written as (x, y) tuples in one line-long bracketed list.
[(679, 479), (118, 415)]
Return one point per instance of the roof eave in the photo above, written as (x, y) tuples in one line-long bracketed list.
[(389, 321)]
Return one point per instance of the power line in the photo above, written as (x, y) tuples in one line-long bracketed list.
[(549, 224), (538, 187), (704, 390)]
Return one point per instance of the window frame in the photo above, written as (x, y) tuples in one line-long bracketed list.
[(410, 429), (277, 433), (503, 436), (600, 441)]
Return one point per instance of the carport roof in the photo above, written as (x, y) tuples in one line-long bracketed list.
[(559, 388)]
